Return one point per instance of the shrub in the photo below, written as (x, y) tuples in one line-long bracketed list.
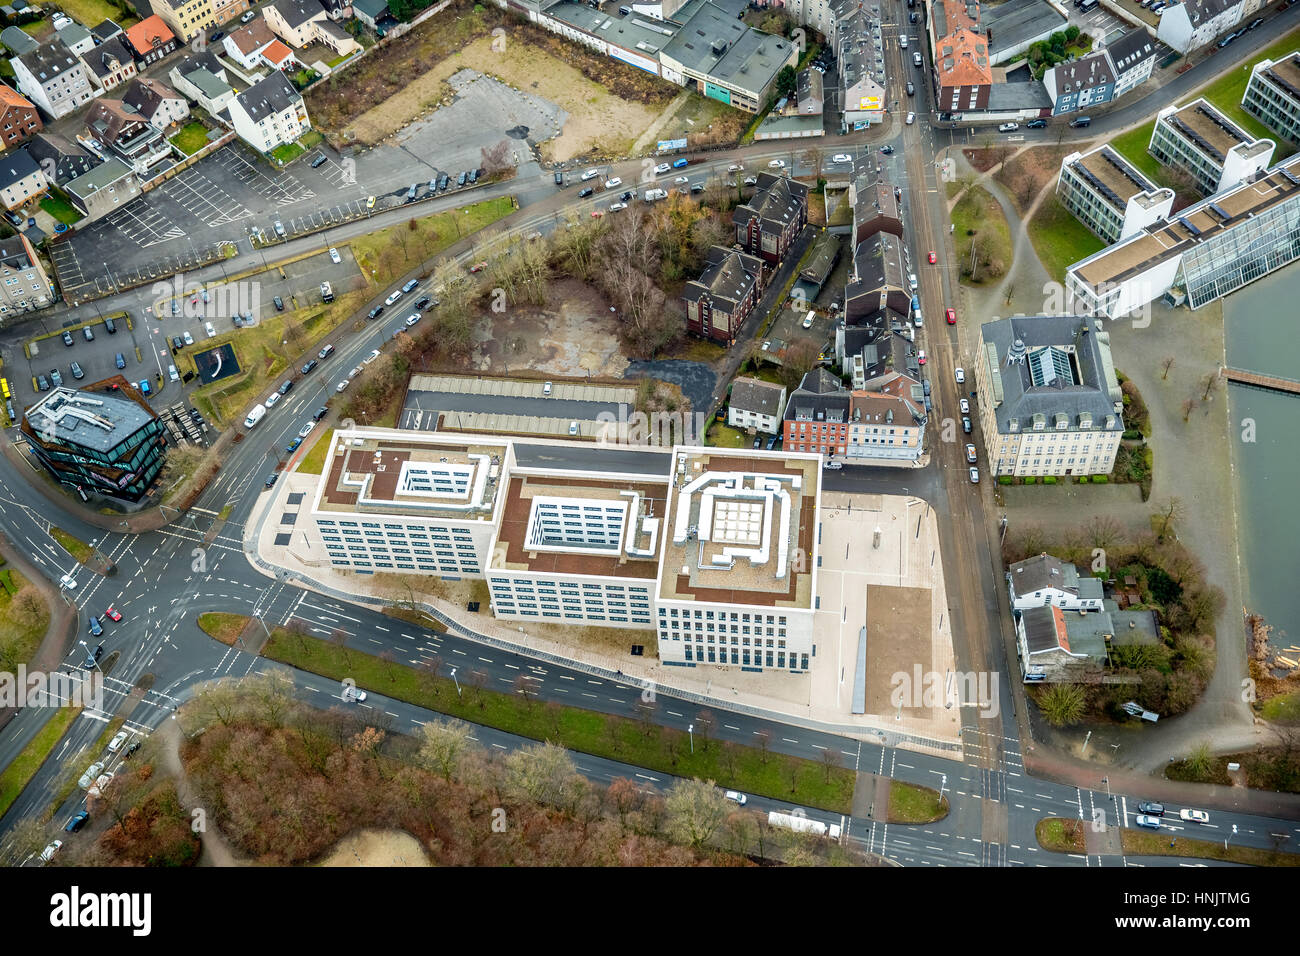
[(1049, 480), (1031, 480), (1004, 479), (1132, 434), (1100, 479)]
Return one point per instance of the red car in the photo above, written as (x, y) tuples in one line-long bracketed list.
[(478, 267), (951, 316), (933, 258), (113, 614)]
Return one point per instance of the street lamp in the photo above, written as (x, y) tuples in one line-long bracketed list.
[(456, 682), (1106, 781), (1230, 836), (691, 732)]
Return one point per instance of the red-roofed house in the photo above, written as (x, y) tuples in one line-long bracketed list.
[(151, 40), (278, 56), (19, 120), (959, 56)]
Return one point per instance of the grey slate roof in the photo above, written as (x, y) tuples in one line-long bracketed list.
[(1090, 387), (99, 60), (15, 166), (49, 60), (877, 264), (1010, 24), (95, 420), (70, 159), (1084, 73), (727, 277), (18, 41), (1045, 571), (1041, 632), (755, 395), (1199, 11), (1131, 50), (270, 96), (13, 253), (298, 12), (105, 174), (713, 42)]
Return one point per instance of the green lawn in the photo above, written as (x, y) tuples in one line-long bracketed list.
[(19, 635), (313, 463), (909, 803), (222, 626), (24, 766), (1059, 239), (1284, 707), (979, 220), (311, 138), (57, 206), (724, 436), (1140, 843), (191, 138), (74, 546), (431, 236), (1133, 147), (287, 152), (90, 12), (643, 743)]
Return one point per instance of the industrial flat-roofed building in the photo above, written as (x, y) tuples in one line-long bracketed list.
[(402, 501), (1273, 95), (1211, 248), (1109, 195), (103, 439), (1016, 25), (1214, 150), (1050, 400), (738, 567)]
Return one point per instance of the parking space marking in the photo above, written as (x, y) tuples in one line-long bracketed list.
[(205, 198)]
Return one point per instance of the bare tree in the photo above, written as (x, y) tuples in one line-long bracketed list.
[(696, 810), (1189, 404), (496, 158), (1170, 511), (830, 761), (442, 746), (339, 638), (1208, 383), (1165, 365)]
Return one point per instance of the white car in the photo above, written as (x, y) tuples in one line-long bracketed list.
[(88, 778), (589, 175), (808, 321), (48, 853), (970, 454), (776, 164), (67, 581), (911, 118), (334, 256), (1194, 816), (374, 354), (353, 695), (613, 183), (751, 180), (413, 318), (735, 167), (342, 385), (682, 180), (1008, 127), (354, 373), (965, 407), (1146, 820), (911, 280), (272, 399), (736, 797), (397, 294), (959, 374), (306, 429), (187, 338), (841, 158), (662, 168), (615, 207), (115, 744), (974, 476), (101, 782)]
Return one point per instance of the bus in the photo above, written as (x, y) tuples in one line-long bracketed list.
[(4, 388)]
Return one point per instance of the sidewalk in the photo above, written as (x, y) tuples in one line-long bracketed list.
[(59, 633)]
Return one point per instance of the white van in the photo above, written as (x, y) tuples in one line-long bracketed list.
[(173, 374), (255, 416), (808, 319), (916, 317), (210, 329)]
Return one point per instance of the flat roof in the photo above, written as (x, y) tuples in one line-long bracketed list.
[(1119, 177), (633, 511), (99, 421), (1286, 73), (741, 529), (414, 477), (1207, 127), (1017, 22), (1156, 242)]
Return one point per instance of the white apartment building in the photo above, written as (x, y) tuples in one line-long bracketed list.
[(1050, 401), (756, 404), (1045, 580), (270, 113), (883, 426), (403, 502), (1110, 195), (1217, 152), (53, 78), (1191, 24), (737, 575)]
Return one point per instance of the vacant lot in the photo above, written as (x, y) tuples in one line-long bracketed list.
[(982, 235), (1025, 176)]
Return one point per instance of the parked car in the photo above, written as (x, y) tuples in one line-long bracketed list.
[(1008, 127), (120, 360), (110, 326), (613, 183), (288, 384), (965, 424), (187, 338), (974, 476), (311, 364), (352, 695), (376, 312), (334, 255), (1036, 124), (272, 479), (776, 164), (959, 374), (90, 336), (965, 407), (320, 413), (77, 822), (423, 302), (585, 192), (393, 297), (145, 388), (93, 771), (662, 168), (42, 384), (920, 357), (615, 207), (76, 371), (325, 352), (56, 377), (319, 159), (970, 454), (736, 797), (293, 445), (911, 118), (118, 740), (278, 302), (413, 318), (67, 337), (48, 853)]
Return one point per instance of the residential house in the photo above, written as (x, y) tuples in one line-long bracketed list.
[(246, 44), (22, 181), (270, 114), (1273, 95), (1079, 84), (1191, 24), (1215, 151), (77, 39), (1051, 402), (817, 416), (105, 189), (160, 105), (772, 218), (876, 346), (884, 427), (876, 208), (1051, 649), (105, 30), (24, 286), (185, 18), (225, 11), (722, 298), (201, 78), (17, 41), (370, 12), (125, 133), (862, 72), (19, 120), (1133, 57), (756, 404), (151, 40), (960, 65), (110, 64), (53, 78), (810, 96), (61, 158), (1044, 580), (278, 56), (300, 23), (878, 280)]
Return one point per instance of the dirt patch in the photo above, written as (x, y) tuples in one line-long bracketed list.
[(1025, 176), (572, 336), (898, 637), (983, 159), (377, 848)]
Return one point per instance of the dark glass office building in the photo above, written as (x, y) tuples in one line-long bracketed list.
[(103, 439)]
